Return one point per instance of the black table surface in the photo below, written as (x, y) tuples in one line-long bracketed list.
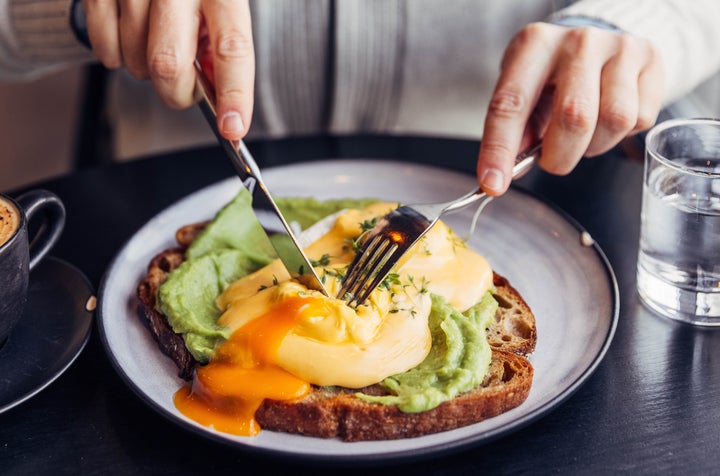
[(650, 407)]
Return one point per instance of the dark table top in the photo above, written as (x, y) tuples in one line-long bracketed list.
[(651, 406)]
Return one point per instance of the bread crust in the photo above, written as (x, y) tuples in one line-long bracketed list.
[(334, 412), (337, 413), (514, 326), (170, 343)]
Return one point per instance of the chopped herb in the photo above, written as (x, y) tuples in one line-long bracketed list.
[(422, 289), (368, 225), (323, 261), (456, 241), (264, 286), (390, 279), (354, 244), (335, 273)]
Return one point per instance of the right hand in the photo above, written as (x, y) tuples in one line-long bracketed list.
[(581, 89), (158, 40)]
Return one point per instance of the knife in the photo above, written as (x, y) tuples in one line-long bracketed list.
[(265, 208)]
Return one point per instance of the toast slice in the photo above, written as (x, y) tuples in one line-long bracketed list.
[(333, 412)]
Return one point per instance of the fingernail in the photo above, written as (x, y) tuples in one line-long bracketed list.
[(492, 179), (231, 124)]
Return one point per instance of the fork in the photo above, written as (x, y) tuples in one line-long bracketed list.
[(397, 231)]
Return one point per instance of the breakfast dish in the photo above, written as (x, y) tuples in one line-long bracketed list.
[(440, 344), (154, 377), (51, 335)]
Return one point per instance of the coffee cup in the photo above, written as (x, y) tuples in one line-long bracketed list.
[(20, 253)]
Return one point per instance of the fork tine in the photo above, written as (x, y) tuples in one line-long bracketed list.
[(361, 263), (374, 256), (357, 267), (385, 264)]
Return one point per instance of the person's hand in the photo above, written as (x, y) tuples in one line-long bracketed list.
[(159, 40), (581, 89)]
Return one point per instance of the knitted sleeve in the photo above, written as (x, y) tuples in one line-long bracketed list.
[(685, 32), (35, 38)]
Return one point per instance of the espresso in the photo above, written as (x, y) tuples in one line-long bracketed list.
[(9, 220)]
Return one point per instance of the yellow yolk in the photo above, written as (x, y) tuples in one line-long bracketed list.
[(226, 392), (334, 344), (286, 337)]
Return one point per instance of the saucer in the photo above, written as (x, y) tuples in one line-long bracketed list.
[(51, 334)]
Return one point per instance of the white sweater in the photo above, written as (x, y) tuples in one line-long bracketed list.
[(344, 66)]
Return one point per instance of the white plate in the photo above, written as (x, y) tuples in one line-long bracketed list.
[(569, 286)]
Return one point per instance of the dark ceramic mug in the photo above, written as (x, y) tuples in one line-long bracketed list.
[(19, 252)]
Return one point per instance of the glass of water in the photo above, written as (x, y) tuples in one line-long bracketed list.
[(678, 270)]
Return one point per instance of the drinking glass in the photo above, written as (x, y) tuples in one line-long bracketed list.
[(678, 269)]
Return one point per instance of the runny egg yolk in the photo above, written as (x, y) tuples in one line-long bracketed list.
[(286, 337), (226, 392)]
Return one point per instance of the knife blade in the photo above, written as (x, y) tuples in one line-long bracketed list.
[(265, 208)]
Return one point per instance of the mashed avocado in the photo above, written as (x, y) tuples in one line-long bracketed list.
[(234, 244), (457, 362), (306, 211)]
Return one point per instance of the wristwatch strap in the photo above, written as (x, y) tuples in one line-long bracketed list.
[(78, 24)]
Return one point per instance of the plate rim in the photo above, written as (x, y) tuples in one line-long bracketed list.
[(442, 448)]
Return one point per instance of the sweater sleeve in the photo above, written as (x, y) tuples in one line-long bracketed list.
[(36, 38), (685, 32)]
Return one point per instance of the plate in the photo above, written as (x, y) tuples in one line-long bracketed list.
[(566, 280), (51, 334)]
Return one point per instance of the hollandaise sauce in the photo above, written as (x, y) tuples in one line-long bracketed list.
[(226, 392)]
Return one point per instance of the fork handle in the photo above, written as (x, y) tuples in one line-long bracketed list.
[(523, 163)]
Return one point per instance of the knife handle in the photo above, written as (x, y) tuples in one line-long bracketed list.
[(245, 165)]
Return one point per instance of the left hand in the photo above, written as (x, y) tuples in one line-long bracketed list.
[(581, 89)]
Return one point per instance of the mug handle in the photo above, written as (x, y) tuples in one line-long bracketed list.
[(34, 202)]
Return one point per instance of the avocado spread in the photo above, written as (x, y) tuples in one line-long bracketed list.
[(458, 360), (234, 244)]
